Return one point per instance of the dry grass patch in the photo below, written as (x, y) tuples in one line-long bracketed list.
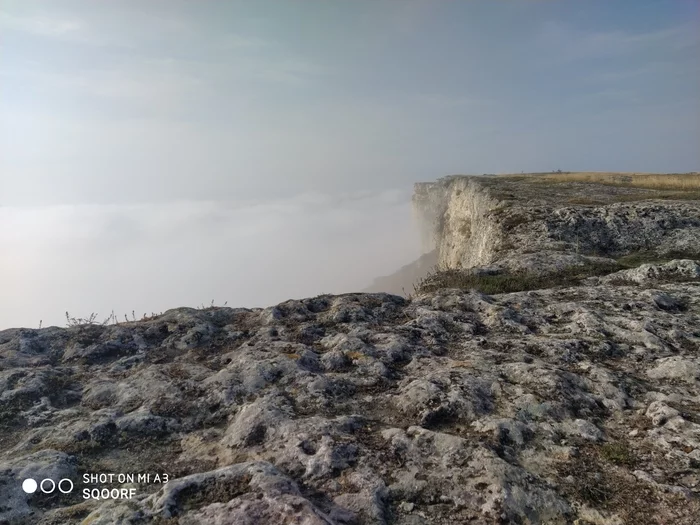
[(687, 195), (633, 260), (618, 453), (586, 201), (653, 181), (601, 477), (441, 279)]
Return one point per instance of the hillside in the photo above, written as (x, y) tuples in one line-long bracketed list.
[(567, 394), (544, 223)]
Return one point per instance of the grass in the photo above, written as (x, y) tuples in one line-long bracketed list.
[(652, 181), (689, 195), (92, 319), (602, 478), (586, 201), (636, 259), (618, 453), (440, 278), (507, 283), (112, 319)]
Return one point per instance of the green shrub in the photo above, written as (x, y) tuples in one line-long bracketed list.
[(506, 283), (618, 453), (635, 259)]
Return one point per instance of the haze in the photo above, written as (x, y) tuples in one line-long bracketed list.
[(167, 153)]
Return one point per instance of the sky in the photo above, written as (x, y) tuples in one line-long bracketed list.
[(167, 153)]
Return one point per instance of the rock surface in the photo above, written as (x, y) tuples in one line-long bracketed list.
[(560, 405), (522, 224), (526, 224), (570, 405)]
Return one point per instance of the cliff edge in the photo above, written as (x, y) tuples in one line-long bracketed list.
[(570, 404), (538, 224), (481, 221)]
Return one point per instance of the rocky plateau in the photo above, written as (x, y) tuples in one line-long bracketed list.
[(566, 404)]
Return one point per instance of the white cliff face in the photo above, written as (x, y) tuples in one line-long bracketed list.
[(520, 225), (452, 214), (468, 235)]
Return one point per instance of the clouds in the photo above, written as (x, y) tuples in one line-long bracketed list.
[(147, 86), (131, 100), (156, 256), (41, 24), (144, 117), (568, 43)]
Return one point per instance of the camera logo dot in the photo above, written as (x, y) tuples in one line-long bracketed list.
[(29, 486), (45, 489), (62, 485), (47, 486)]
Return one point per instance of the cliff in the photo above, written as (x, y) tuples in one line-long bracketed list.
[(481, 220), (529, 224), (565, 404)]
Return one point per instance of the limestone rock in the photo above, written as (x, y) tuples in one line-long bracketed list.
[(562, 404), (369, 408), (477, 221)]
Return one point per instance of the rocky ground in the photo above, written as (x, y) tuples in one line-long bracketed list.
[(528, 224), (577, 405)]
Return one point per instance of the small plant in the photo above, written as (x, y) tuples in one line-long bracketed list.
[(211, 306), (150, 317), (133, 317), (112, 318), (618, 453), (79, 321)]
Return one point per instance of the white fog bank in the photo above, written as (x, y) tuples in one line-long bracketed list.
[(152, 257)]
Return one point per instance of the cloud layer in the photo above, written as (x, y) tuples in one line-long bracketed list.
[(155, 154), (117, 102), (149, 258)]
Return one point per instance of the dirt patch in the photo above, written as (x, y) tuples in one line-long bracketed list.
[(213, 491), (600, 477)]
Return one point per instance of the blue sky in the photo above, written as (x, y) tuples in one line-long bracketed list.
[(164, 153), (123, 101)]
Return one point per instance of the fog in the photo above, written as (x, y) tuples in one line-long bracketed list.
[(151, 257), (170, 153)]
